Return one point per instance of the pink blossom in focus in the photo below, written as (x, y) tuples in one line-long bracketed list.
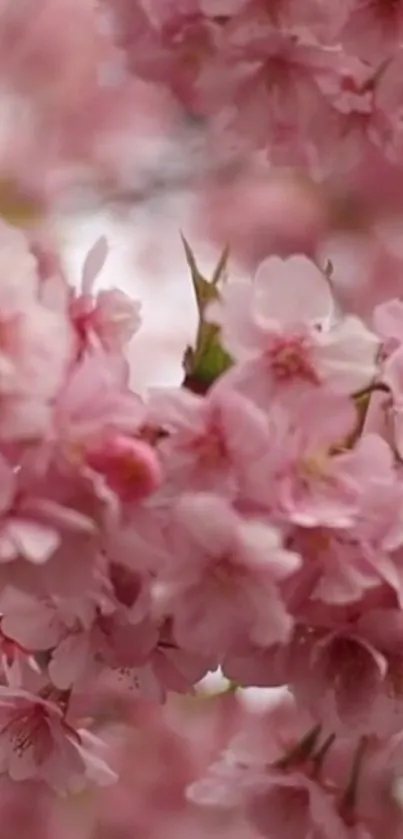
[(131, 467), (285, 329)]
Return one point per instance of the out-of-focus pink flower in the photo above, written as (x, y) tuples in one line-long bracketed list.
[(293, 804), (372, 29), (358, 260), (175, 44), (24, 532), (37, 49), (275, 72), (285, 215), (268, 771), (36, 341), (15, 660)]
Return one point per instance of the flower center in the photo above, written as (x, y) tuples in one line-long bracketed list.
[(290, 358), (225, 574), (210, 450), (26, 727), (314, 466)]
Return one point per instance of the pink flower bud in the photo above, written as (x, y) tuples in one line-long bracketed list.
[(131, 467)]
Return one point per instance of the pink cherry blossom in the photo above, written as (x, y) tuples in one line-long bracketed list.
[(131, 467), (361, 122), (338, 658), (267, 771), (344, 561), (372, 28), (293, 804), (285, 214), (224, 571), (36, 742), (293, 468), (15, 660), (98, 415), (110, 317), (110, 645), (70, 98), (284, 330), (358, 259), (272, 70), (24, 532), (208, 442), (36, 345)]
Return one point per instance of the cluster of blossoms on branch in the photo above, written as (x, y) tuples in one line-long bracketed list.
[(250, 520), (314, 84), (298, 105)]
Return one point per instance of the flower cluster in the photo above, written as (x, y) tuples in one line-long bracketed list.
[(298, 511), (314, 84), (299, 106), (250, 520)]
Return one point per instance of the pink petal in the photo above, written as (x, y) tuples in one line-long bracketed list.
[(209, 520), (22, 763), (348, 356), (393, 374), (32, 623), (7, 484), (261, 545), (35, 542), (96, 770), (291, 291), (69, 660), (173, 408), (62, 516), (388, 319)]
